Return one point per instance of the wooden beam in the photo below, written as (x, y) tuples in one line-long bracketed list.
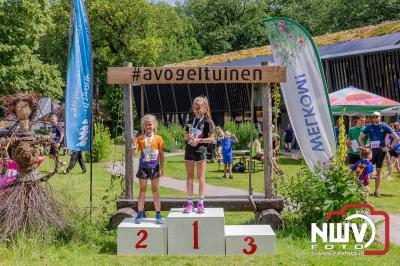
[(267, 131), (229, 203), (184, 75), (129, 170)]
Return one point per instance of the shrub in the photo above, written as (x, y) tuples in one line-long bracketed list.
[(102, 144), (243, 135), (173, 136), (230, 126), (314, 194)]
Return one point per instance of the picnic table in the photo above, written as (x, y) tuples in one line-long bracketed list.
[(241, 154)]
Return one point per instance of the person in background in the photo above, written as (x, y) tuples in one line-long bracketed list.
[(394, 152), (354, 133), (363, 168), (57, 134), (288, 138), (378, 133), (220, 135), (257, 152), (276, 145), (227, 144), (76, 156)]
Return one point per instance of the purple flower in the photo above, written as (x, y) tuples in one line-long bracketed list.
[(300, 42), (281, 23), (289, 37), (281, 29)]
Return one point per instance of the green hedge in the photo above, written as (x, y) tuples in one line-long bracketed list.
[(242, 132)]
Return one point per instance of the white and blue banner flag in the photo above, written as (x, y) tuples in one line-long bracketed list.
[(78, 95), (305, 91)]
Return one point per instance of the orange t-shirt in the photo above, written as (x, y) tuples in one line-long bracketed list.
[(149, 157)]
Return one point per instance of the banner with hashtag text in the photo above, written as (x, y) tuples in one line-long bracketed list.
[(174, 75)]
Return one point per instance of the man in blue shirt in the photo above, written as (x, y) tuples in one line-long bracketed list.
[(378, 134)]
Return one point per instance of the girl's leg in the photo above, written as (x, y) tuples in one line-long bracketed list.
[(230, 169), (156, 193), (142, 193), (189, 179), (201, 175)]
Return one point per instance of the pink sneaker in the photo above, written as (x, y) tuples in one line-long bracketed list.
[(188, 207), (200, 208)]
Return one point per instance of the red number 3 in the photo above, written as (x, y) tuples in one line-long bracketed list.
[(144, 237), (250, 242)]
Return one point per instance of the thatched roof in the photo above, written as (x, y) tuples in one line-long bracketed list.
[(326, 39)]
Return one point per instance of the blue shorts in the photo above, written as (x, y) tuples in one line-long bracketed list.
[(227, 159)]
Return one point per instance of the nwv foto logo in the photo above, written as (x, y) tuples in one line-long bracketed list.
[(338, 234)]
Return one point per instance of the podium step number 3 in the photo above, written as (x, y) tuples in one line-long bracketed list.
[(147, 238), (249, 240)]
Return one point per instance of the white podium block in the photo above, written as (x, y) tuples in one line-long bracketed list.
[(196, 234), (147, 238), (249, 239)]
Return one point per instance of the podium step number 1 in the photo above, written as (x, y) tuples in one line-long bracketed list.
[(196, 234)]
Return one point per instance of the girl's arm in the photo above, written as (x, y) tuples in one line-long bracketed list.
[(210, 139), (133, 147)]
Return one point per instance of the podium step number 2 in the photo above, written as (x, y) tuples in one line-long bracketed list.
[(147, 238)]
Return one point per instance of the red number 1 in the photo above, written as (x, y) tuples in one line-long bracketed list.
[(250, 242), (144, 237), (196, 235)]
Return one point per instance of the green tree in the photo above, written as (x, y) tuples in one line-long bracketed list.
[(22, 25), (226, 25)]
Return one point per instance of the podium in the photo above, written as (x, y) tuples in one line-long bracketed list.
[(196, 234), (147, 238), (249, 240)]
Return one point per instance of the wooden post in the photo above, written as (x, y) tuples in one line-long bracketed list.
[(267, 131), (141, 101), (129, 171)]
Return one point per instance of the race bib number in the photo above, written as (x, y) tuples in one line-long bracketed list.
[(197, 133), (151, 155), (375, 144)]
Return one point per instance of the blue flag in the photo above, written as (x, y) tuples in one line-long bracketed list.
[(78, 95)]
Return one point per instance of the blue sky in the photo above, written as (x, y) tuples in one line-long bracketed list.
[(171, 2)]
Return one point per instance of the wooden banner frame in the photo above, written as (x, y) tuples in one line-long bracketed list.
[(185, 75)]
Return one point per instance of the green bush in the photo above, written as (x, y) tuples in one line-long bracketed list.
[(230, 126), (42, 131), (102, 144), (243, 135), (173, 136), (313, 195)]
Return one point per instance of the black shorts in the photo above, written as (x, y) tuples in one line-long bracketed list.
[(378, 156), (258, 157), (197, 155), (393, 153), (288, 140), (352, 158), (148, 173), (53, 150)]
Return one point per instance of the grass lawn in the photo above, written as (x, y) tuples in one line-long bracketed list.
[(390, 189), (92, 243)]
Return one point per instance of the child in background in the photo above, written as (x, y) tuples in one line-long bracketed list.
[(151, 165), (364, 168), (227, 143)]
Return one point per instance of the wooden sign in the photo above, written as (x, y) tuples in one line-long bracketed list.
[(175, 75)]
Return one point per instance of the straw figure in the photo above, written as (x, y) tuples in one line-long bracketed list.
[(25, 204)]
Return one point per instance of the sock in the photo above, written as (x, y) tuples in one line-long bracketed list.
[(158, 213), (190, 200), (201, 199), (140, 214)]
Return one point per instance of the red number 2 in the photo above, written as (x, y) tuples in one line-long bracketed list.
[(250, 242), (144, 237), (196, 235)]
